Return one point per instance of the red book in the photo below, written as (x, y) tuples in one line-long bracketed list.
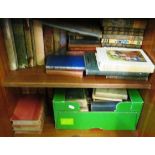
[(27, 108)]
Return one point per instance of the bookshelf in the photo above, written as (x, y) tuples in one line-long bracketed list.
[(12, 81)]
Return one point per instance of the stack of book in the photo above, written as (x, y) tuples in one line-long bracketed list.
[(77, 95), (127, 62), (123, 32), (65, 65), (106, 99), (28, 116)]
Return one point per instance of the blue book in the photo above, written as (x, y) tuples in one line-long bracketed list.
[(103, 106), (65, 62)]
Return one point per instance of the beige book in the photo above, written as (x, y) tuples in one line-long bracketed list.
[(39, 42)]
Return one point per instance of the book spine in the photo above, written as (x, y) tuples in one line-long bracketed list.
[(19, 37), (82, 48), (121, 45), (28, 41), (10, 44), (48, 40), (123, 31), (56, 33), (127, 23), (39, 42)]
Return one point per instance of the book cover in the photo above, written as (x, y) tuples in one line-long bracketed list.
[(10, 44), (89, 30), (123, 60), (113, 93), (39, 42), (91, 68), (70, 73), (28, 41), (127, 23), (28, 108), (65, 62), (20, 44)]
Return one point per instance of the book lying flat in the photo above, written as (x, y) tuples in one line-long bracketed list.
[(91, 68), (65, 62), (112, 93), (123, 60)]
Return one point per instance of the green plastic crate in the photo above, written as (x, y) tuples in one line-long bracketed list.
[(67, 115)]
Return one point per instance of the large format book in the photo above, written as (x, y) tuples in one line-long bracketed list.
[(28, 111), (65, 62), (10, 44), (89, 30), (123, 60), (29, 44), (19, 37), (39, 42), (123, 31), (127, 23), (91, 68), (112, 93)]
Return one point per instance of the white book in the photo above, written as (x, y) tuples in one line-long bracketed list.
[(123, 60), (112, 93)]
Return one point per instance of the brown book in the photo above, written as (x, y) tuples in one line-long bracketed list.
[(73, 73), (77, 52), (82, 48), (83, 45)]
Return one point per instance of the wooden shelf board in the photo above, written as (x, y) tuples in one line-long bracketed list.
[(36, 77), (50, 131)]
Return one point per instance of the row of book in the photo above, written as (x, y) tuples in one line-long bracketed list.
[(29, 41), (120, 63)]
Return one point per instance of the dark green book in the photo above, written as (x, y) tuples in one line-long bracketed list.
[(92, 68), (19, 38)]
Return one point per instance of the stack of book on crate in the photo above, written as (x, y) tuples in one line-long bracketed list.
[(106, 99), (28, 116)]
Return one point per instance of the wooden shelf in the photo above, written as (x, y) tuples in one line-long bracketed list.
[(36, 77), (50, 131)]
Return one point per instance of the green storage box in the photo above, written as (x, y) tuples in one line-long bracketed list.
[(67, 115)]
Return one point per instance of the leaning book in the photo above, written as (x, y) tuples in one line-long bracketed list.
[(123, 60)]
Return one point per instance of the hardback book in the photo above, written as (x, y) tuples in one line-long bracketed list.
[(103, 106), (77, 95), (63, 39), (123, 31), (82, 48), (20, 44), (56, 34), (29, 111), (127, 23), (65, 62), (75, 53), (128, 77), (83, 29), (28, 41), (113, 93), (39, 42), (10, 44), (91, 68), (123, 60), (48, 35), (68, 73)]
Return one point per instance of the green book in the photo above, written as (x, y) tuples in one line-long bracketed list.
[(19, 37), (91, 68)]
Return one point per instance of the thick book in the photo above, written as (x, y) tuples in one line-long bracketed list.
[(10, 44), (69, 73), (28, 41), (127, 23), (65, 62), (113, 93), (123, 60), (82, 48), (19, 37), (103, 106), (39, 42), (89, 30), (123, 31), (28, 111), (56, 35), (91, 68)]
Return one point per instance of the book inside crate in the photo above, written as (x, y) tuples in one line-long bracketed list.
[(41, 40)]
